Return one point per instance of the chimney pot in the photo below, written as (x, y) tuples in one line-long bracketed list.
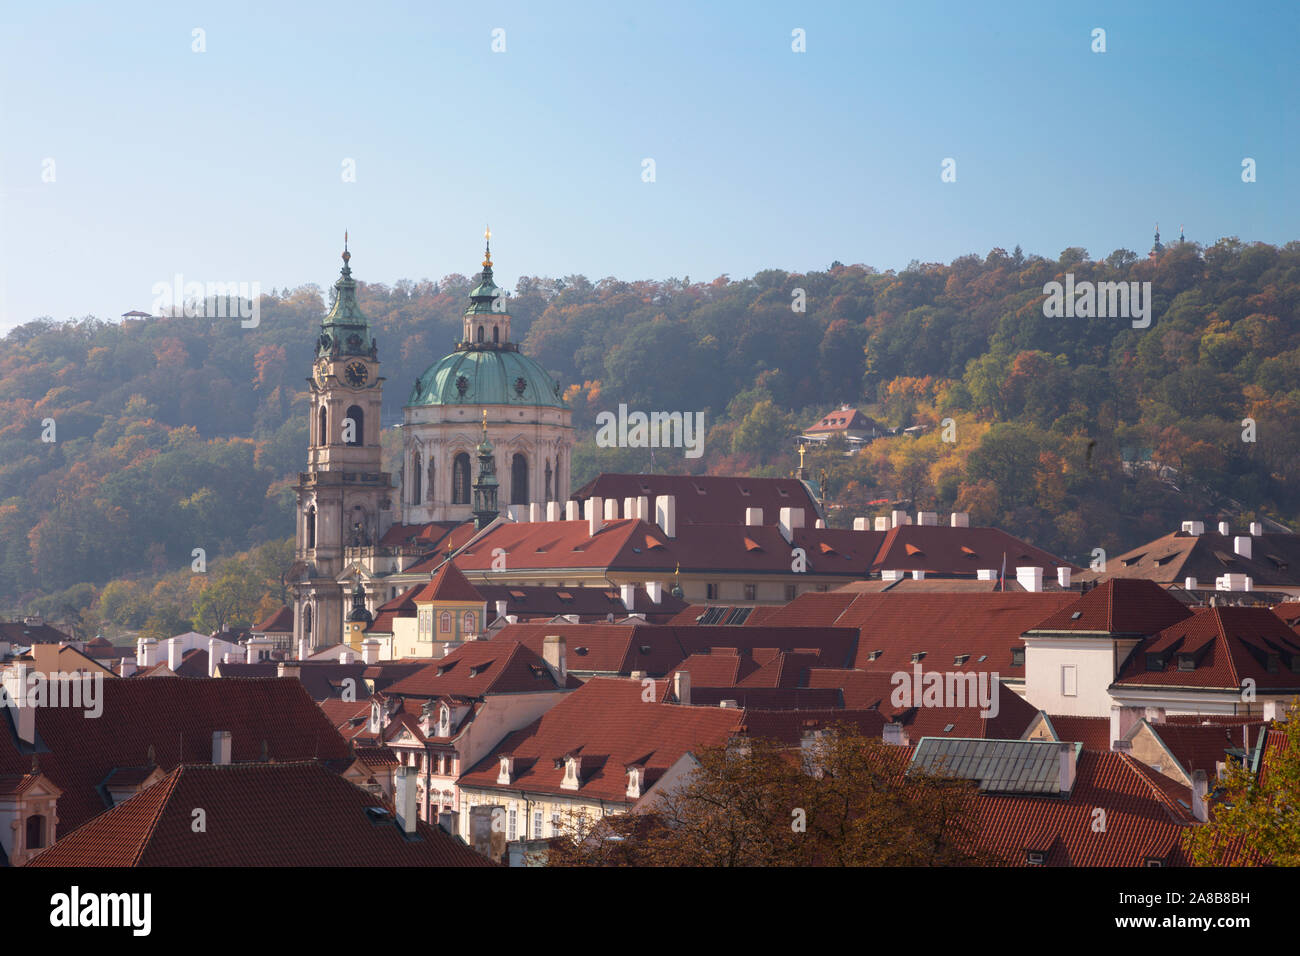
[(666, 514), (552, 511), (571, 511), (682, 687), (221, 747), (753, 517), (960, 519), (595, 509), (1063, 577), (611, 509), (1223, 528)]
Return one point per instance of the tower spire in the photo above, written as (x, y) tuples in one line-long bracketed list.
[(487, 249)]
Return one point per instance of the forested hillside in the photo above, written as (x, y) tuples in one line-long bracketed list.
[(176, 433)]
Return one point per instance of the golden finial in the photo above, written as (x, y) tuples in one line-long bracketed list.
[(802, 449), (487, 248), (346, 255), (485, 423)]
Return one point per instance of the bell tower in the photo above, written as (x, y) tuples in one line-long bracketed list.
[(343, 495)]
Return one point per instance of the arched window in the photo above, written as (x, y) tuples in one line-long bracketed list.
[(358, 418), (431, 489), (322, 428), (444, 622), (519, 480), (548, 480), (306, 624), (467, 623), (460, 479), (310, 519), (480, 333), (35, 832), (496, 335), (416, 475)]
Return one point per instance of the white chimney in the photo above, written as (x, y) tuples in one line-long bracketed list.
[(611, 509), (891, 575), (126, 668), (1031, 579), (228, 658), (729, 704), (1241, 545), (897, 519), (753, 517), (860, 524), (960, 519), (629, 508), (628, 593), (552, 511), (404, 799), (213, 657), (1256, 529), (1223, 528), (986, 574), (571, 511), (501, 608), (882, 524), (1200, 790), (1196, 528), (1122, 720), (790, 519), (927, 518), (595, 510), (1067, 765), (894, 734), (370, 651), (23, 713), (1189, 583), (250, 653), (534, 512), (643, 508), (666, 514), (146, 650), (346, 657), (553, 655), (819, 523), (175, 650), (655, 589), (918, 574), (682, 687), (1063, 577), (221, 740), (1275, 710), (304, 648)]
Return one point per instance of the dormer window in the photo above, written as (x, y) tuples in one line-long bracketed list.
[(1187, 662), (444, 721), (1017, 657), (1155, 662), (1035, 857), (507, 772)]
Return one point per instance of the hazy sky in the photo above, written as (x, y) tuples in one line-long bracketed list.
[(227, 165)]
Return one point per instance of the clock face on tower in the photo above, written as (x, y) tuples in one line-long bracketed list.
[(356, 374)]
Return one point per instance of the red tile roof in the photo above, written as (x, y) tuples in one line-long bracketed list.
[(1227, 644), (943, 627), (448, 584), (1092, 732), (1203, 747), (1142, 813), (175, 717), (1119, 606), (842, 420), (16, 632), (608, 725), (788, 726), (478, 668), (961, 552), (1274, 561), (708, 499), (426, 535), (281, 622), (260, 814)]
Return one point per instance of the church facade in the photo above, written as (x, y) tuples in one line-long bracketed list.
[(486, 406)]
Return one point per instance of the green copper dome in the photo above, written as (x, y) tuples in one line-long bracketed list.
[(486, 376)]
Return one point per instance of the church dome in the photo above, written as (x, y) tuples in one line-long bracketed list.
[(486, 376), (486, 368)]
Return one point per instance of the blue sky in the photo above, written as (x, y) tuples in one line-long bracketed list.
[(227, 165)]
